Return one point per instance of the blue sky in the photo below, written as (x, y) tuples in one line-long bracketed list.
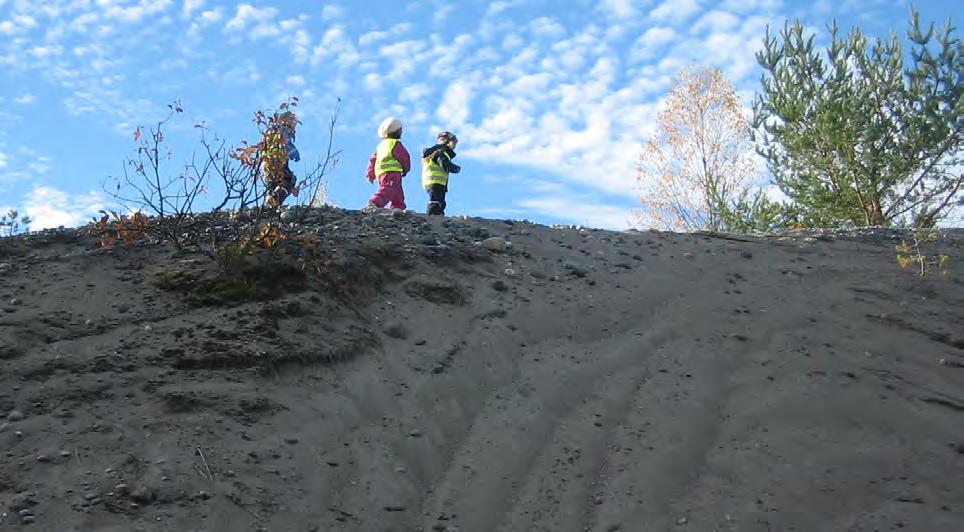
[(551, 100)]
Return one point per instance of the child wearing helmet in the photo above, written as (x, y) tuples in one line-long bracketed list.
[(389, 164), (436, 166)]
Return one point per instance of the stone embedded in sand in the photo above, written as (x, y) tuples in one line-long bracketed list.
[(494, 243), (746, 254), (142, 495), (22, 501), (576, 269), (15, 415), (396, 330)]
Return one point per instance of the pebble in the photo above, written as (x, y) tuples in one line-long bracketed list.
[(148, 328), (682, 521), (27, 519), (65, 453), (415, 433), (15, 415), (4, 426), (746, 254), (43, 458), (291, 441)]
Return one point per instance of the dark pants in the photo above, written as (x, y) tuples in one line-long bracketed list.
[(436, 199)]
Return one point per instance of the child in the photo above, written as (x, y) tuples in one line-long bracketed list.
[(436, 166), (389, 164)]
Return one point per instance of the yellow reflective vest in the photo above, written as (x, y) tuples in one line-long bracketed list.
[(434, 173), (385, 161)]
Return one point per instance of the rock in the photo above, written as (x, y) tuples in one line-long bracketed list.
[(509, 272), (576, 269), (5, 267), (43, 458), (415, 433), (4, 426), (397, 331), (500, 286), (65, 453), (142, 495), (289, 215), (682, 521), (22, 501), (14, 416), (291, 440), (494, 243), (122, 488), (746, 254), (27, 519)]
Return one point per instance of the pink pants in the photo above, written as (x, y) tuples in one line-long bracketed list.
[(389, 190)]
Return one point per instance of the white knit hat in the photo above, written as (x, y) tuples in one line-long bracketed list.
[(389, 125)]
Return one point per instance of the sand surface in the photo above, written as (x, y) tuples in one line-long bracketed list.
[(578, 380)]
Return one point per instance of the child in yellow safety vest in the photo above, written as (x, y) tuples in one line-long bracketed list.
[(389, 164), (436, 166)]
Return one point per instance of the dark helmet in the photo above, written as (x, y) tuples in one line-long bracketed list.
[(446, 136)]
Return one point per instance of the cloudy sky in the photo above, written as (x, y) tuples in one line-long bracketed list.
[(551, 99)]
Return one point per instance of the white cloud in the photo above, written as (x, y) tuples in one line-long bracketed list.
[(190, 6), (258, 22), (414, 93), (676, 10), (373, 37), (454, 109), (25, 99), (619, 8), (336, 44), (3, 160), (581, 210), (332, 11), (211, 16), (295, 81), (650, 42), (50, 207), (547, 27), (440, 15), (715, 21), (135, 13)]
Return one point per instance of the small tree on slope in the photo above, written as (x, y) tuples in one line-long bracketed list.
[(697, 171), (853, 137)]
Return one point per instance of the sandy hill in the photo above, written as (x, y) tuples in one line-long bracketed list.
[(479, 375)]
